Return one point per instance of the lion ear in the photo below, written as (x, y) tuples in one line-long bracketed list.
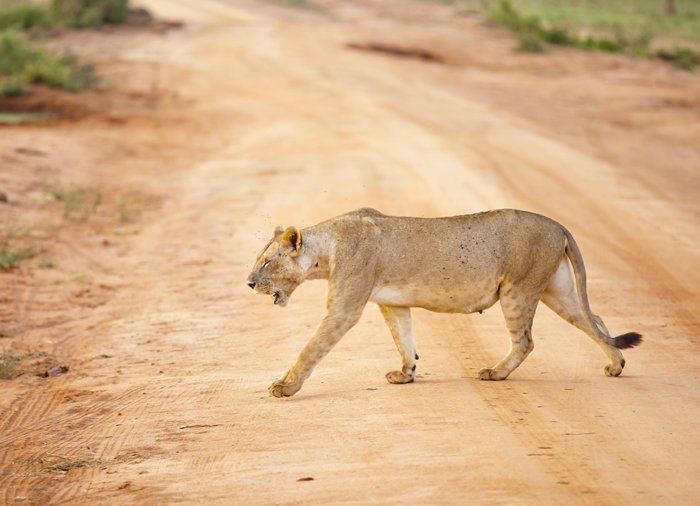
[(292, 238), (278, 232)]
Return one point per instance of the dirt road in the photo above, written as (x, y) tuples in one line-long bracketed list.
[(257, 115)]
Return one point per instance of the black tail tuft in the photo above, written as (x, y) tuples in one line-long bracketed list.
[(629, 340)]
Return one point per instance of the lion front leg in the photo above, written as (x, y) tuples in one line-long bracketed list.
[(350, 283), (398, 319), (331, 329)]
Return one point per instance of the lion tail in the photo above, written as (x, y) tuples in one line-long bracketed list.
[(628, 340)]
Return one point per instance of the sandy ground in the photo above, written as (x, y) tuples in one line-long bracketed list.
[(255, 115)]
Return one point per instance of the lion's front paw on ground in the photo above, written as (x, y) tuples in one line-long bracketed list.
[(280, 389), (492, 374), (399, 377)]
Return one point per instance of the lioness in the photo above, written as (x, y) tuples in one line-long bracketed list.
[(461, 264)]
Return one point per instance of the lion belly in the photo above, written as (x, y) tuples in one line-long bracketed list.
[(453, 299)]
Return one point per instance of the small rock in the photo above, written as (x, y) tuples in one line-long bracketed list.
[(3, 196), (56, 370)]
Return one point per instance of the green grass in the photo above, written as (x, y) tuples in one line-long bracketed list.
[(22, 63), (20, 118), (12, 87), (11, 258), (8, 365), (681, 58), (25, 17), (12, 254), (613, 26), (89, 13), (613, 18), (78, 202), (301, 4)]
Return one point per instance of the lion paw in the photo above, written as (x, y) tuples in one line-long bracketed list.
[(281, 389), (400, 377), (492, 374), (612, 370)]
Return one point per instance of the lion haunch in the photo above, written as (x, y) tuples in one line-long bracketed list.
[(460, 264)]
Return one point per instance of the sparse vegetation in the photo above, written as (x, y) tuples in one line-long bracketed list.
[(126, 211), (11, 253), (46, 263), (9, 259), (89, 13), (613, 26), (533, 32), (11, 87), (25, 17), (21, 63), (8, 365), (681, 58), (303, 4), (78, 202)]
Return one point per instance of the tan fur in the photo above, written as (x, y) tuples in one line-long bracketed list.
[(460, 264)]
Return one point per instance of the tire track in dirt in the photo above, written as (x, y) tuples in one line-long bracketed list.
[(536, 429)]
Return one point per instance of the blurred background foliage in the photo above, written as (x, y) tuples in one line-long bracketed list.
[(89, 13), (665, 29), (24, 61)]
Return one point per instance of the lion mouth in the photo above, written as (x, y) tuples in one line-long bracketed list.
[(280, 298)]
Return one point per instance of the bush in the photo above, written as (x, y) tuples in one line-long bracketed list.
[(25, 17), (64, 72), (532, 33), (8, 364), (683, 59), (21, 63), (604, 45), (11, 87), (9, 259), (556, 36), (89, 13), (529, 43), (14, 53)]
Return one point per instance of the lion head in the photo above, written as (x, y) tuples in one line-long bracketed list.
[(277, 270)]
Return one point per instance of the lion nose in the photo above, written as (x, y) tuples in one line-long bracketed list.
[(252, 285)]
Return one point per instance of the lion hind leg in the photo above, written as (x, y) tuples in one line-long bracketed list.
[(398, 319), (519, 315), (562, 298)]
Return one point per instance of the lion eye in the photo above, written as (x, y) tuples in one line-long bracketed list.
[(265, 264)]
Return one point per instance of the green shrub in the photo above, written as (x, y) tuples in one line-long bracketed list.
[(89, 13), (529, 42), (684, 59), (61, 72), (556, 36), (25, 16), (15, 53), (11, 87), (508, 16), (532, 33), (78, 202), (8, 365), (21, 63), (10, 259)]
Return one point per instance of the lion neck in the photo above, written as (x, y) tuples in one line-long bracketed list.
[(315, 257)]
